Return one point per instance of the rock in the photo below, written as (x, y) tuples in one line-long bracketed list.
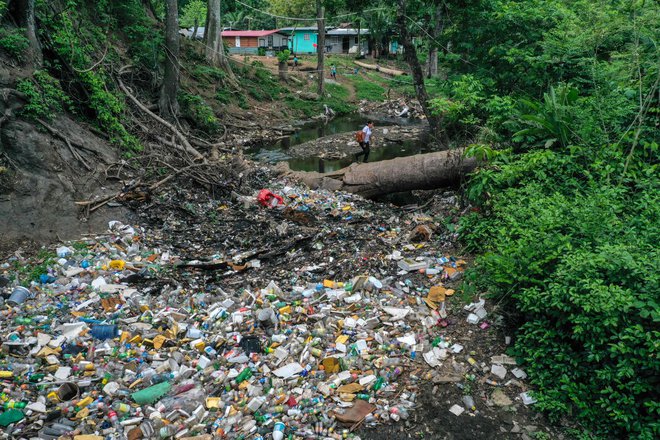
[(500, 399)]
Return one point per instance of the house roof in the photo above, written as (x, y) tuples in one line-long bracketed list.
[(339, 31), (248, 33), (289, 30)]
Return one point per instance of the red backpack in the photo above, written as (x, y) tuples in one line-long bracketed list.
[(359, 136)]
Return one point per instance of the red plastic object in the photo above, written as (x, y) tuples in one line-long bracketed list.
[(268, 199)]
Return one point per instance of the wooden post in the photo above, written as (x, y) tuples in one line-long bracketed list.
[(320, 48)]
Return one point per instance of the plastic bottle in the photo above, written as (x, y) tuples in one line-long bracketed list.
[(278, 431), (468, 401), (244, 375), (379, 384), (121, 407), (12, 404)]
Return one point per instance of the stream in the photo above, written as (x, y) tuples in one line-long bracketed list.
[(384, 150)]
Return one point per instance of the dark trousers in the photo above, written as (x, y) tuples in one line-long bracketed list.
[(365, 151)]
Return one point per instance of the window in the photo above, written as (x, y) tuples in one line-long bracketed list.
[(262, 42), (238, 41), (306, 37), (357, 40), (270, 41)]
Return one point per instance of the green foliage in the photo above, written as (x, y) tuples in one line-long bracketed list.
[(460, 106), (109, 109), (195, 10), (369, 90), (575, 253), (261, 51), (13, 42), (549, 121), (336, 98), (45, 96), (145, 40), (208, 74), (283, 56), (74, 37), (197, 111)]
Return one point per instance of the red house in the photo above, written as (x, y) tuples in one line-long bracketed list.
[(249, 42)]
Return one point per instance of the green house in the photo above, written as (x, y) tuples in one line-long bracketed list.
[(302, 40)]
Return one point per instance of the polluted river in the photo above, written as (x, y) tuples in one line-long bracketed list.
[(326, 146), (271, 311)]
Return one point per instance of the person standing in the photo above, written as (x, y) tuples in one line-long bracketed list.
[(295, 61), (365, 143), (333, 72)]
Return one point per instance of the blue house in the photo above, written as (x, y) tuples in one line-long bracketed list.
[(302, 40)]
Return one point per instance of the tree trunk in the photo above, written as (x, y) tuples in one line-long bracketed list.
[(168, 104), (195, 29), (437, 31), (410, 55), (284, 71), (359, 51), (24, 13), (215, 50), (422, 171), (320, 48)]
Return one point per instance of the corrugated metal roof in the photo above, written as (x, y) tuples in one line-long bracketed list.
[(339, 31), (248, 33)]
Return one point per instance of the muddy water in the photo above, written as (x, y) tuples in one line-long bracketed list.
[(278, 152)]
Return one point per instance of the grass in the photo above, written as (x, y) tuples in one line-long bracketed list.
[(368, 89), (336, 98)]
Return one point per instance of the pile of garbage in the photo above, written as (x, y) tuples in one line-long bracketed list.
[(123, 335), (395, 108)]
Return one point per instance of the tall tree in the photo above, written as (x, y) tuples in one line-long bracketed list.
[(320, 47), (410, 55), (23, 11), (168, 104), (214, 49), (435, 34)]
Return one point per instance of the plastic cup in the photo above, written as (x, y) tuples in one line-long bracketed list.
[(18, 296)]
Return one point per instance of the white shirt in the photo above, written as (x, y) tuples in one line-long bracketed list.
[(367, 133)]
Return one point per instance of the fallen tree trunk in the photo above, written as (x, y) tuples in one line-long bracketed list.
[(422, 171), (392, 72)]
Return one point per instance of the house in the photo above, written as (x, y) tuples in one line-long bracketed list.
[(249, 42), (342, 40), (302, 39)]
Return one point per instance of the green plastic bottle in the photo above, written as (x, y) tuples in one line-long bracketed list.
[(379, 384), (244, 375)]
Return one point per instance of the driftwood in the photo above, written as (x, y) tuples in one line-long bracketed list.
[(378, 68), (422, 171)]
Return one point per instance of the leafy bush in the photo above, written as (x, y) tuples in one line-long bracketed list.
[(45, 96), (574, 255), (283, 56), (197, 111), (14, 42)]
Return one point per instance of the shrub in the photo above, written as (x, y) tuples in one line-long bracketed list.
[(283, 56), (14, 42), (197, 111), (45, 96), (574, 255)]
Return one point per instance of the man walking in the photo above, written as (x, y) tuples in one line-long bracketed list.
[(365, 142)]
